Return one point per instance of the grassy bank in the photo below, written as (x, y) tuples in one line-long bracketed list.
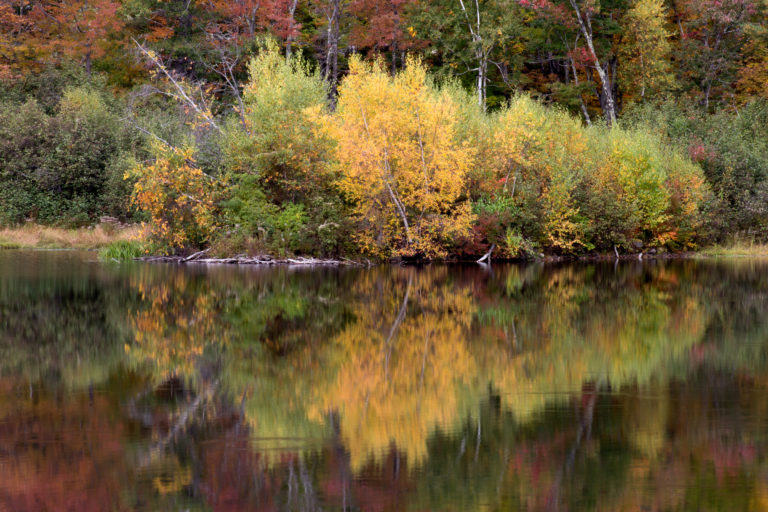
[(737, 250), (33, 236)]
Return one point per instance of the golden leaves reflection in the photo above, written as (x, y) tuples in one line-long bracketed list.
[(400, 353)]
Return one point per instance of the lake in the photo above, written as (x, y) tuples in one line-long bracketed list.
[(584, 386)]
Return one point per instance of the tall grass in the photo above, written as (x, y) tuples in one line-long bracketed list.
[(748, 249), (45, 237), (122, 250)]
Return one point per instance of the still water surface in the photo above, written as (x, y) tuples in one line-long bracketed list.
[(636, 386)]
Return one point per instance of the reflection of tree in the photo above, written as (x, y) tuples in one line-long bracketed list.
[(176, 319), (397, 369), (563, 327), (392, 388), (60, 321)]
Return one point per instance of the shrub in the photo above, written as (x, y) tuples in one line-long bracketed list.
[(281, 196), (178, 196), (62, 169), (732, 149)]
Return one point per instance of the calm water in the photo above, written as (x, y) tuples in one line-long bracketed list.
[(568, 387)]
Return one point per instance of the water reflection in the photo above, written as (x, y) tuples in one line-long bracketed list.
[(573, 387)]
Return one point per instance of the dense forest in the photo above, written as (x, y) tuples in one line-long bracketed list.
[(434, 129)]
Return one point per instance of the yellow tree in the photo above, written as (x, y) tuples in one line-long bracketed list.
[(646, 68), (537, 154), (400, 161)]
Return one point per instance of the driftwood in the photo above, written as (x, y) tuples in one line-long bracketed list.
[(198, 258), (487, 256)]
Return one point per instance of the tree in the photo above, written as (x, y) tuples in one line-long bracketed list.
[(281, 192), (712, 33), (400, 161), (472, 37), (15, 34), (332, 11), (645, 69), (587, 16), (83, 30), (379, 26), (177, 195), (753, 75)]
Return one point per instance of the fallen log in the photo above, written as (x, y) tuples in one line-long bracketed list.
[(487, 255), (197, 259)]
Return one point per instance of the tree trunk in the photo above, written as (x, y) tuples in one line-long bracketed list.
[(572, 63), (482, 78), (480, 54), (393, 48), (608, 101), (289, 39), (332, 51)]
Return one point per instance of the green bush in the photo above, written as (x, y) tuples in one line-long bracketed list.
[(66, 168), (732, 149), (281, 197)]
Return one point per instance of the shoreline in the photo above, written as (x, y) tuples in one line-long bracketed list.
[(264, 260), (103, 235)]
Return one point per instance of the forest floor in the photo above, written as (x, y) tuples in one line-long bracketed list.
[(34, 236)]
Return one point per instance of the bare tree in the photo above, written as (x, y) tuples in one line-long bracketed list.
[(332, 11), (481, 51)]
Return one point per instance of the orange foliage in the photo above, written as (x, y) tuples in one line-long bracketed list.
[(178, 196), (82, 30)]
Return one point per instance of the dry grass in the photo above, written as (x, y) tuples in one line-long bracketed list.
[(44, 237), (737, 250)]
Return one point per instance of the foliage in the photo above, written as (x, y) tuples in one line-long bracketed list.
[(632, 185), (281, 194), (400, 162), (646, 51), (178, 197), (559, 186), (247, 91), (732, 150), (65, 168)]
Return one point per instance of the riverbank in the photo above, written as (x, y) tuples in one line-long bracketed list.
[(203, 258), (123, 243), (34, 236)]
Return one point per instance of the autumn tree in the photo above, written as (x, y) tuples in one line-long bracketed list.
[(594, 22), (177, 195), (15, 37), (281, 193), (645, 69), (753, 75), (712, 38), (400, 161), (381, 26), (83, 30), (331, 13)]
